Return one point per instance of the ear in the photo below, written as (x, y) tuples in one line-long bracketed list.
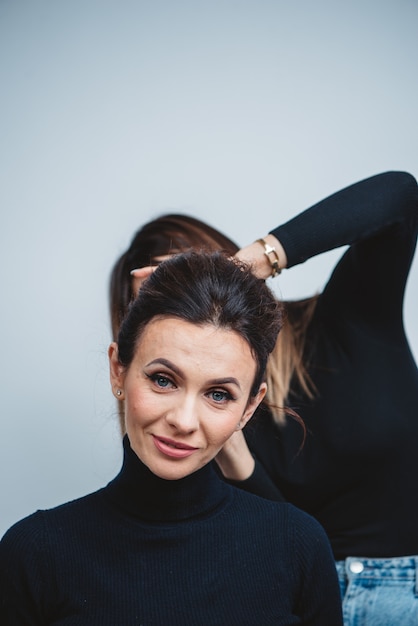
[(253, 403), (117, 371)]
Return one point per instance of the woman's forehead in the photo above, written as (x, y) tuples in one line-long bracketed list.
[(204, 347)]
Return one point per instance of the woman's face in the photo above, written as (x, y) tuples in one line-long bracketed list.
[(186, 392)]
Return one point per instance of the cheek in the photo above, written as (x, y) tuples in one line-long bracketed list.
[(220, 431), (139, 406)]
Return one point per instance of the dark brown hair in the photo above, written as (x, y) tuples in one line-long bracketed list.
[(207, 288), (173, 233), (164, 235)]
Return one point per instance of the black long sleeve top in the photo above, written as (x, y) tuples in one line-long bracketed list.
[(152, 552), (358, 471)]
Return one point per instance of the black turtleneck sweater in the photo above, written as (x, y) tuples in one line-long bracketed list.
[(150, 552)]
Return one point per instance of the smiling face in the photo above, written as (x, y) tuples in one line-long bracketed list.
[(186, 392)]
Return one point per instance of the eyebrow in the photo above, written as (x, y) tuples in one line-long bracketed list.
[(227, 380), (166, 363)]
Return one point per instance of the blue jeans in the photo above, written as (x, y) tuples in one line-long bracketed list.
[(379, 592)]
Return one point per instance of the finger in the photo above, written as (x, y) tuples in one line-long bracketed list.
[(143, 272)]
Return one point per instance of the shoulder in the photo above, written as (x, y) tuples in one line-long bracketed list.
[(28, 530), (281, 528), (39, 528), (280, 514)]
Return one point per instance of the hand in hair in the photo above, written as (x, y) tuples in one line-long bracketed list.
[(141, 274), (235, 459), (255, 256)]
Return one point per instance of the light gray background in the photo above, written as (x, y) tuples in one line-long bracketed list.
[(113, 112)]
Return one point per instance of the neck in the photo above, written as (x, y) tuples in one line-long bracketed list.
[(143, 495)]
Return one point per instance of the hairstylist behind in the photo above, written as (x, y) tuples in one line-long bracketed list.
[(343, 362), (167, 541)]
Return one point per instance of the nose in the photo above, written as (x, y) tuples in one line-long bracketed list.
[(183, 417)]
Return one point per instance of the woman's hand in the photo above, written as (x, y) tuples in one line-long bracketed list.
[(139, 275), (235, 459), (255, 256)]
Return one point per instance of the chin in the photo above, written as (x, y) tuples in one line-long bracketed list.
[(175, 472), (166, 474)]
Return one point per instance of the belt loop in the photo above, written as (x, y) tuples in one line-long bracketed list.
[(416, 576)]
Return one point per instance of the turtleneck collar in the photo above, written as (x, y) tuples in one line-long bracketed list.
[(142, 494)]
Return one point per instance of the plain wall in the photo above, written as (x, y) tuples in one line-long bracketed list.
[(239, 112)]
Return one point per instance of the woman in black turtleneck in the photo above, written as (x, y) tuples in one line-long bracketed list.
[(167, 541), (343, 362)]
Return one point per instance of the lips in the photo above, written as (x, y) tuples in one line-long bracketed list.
[(172, 448)]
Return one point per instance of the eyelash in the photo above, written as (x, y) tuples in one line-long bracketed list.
[(226, 395), (158, 376)]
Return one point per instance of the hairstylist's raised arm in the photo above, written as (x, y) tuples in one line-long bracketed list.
[(266, 256)]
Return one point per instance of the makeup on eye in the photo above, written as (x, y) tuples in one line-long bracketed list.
[(221, 396), (218, 395), (161, 380)]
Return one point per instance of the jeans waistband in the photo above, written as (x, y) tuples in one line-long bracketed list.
[(396, 568)]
